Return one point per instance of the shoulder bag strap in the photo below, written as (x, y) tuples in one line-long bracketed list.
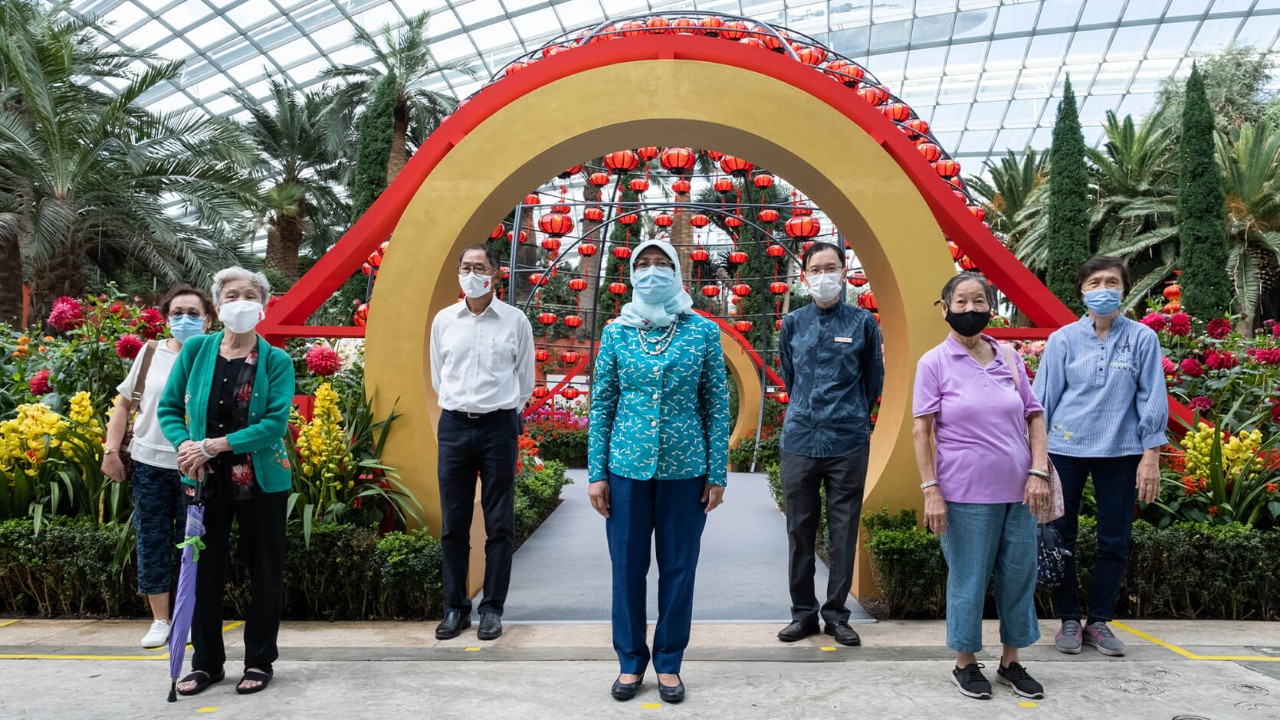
[(140, 384)]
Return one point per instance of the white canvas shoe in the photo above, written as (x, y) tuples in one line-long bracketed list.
[(157, 636)]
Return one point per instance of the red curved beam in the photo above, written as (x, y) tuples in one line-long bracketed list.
[(756, 358)]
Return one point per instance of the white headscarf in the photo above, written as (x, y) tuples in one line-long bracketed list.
[(643, 315)]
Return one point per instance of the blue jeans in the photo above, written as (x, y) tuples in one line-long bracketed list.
[(978, 540), (671, 515), (160, 519), (1115, 488)]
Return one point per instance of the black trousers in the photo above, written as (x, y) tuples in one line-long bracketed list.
[(484, 446), (261, 520), (844, 479)]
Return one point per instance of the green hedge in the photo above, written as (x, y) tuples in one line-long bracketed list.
[(1189, 570), (740, 454)]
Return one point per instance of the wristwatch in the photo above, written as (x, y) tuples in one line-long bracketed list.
[(108, 451)]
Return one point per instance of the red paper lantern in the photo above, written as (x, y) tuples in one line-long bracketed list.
[(802, 226), (681, 187), (742, 326), (916, 129), (736, 166), (699, 220), (663, 220), (598, 179), (771, 41), (532, 199), (714, 155), (639, 185), (541, 355), (898, 112), (587, 249), (560, 208), (968, 264), (573, 321), (622, 252), (569, 357), (742, 289), (858, 279), (593, 213), (872, 94), (570, 172), (633, 28), (768, 215), (867, 301), (647, 153), (658, 25), (724, 186), (551, 245), (775, 251), (752, 42), (778, 287), (782, 397), (577, 285), (954, 249), (514, 68), (539, 279), (805, 247), (763, 181), (930, 151), (811, 55), (979, 212), (540, 392), (547, 318), (617, 288), (801, 210), (366, 268), (361, 316), (556, 224), (733, 221), (734, 30), (711, 290), (570, 393), (498, 231), (737, 257), (947, 168), (523, 236), (699, 255), (777, 324), (684, 25), (711, 25), (629, 219), (621, 162), (1172, 292), (679, 160), (845, 72)]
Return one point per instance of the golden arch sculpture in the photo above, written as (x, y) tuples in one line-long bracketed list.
[(827, 142)]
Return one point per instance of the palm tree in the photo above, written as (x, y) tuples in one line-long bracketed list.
[(1013, 181), (298, 169), (418, 110), (1250, 163)]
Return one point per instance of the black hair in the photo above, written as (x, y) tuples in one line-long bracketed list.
[(490, 254), (1098, 263), (949, 289), (206, 303), (818, 247)]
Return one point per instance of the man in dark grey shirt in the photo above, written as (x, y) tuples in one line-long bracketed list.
[(834, 371)]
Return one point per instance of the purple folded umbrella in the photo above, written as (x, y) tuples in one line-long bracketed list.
[(185, 598)]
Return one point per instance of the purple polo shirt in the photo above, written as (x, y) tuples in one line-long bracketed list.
[(979, 422)]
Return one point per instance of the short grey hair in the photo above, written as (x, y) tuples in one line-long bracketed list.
[(235, 272), (949, 289)]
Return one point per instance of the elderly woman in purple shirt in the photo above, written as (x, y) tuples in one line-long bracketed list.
[(983, 456)]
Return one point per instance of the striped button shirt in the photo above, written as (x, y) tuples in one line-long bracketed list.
[(1103, 397)]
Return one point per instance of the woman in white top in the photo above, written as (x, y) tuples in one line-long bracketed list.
[(159, 510)]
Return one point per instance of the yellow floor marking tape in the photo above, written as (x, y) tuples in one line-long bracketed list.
[(471, 649), (1027, 704), (158, 656), (7, 623), (651, 706), (207, 710), (827, 648), (1190, 655)]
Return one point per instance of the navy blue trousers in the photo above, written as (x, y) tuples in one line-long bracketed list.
[(669, 514)]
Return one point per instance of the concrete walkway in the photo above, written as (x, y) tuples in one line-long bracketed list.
[(1185, 670), (561, 574)]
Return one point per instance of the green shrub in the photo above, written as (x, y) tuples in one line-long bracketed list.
[(740, 455), (773, 474), (68, 569), (908, 564), (537, 494), (564, 442), (335, 577), (408, 565)]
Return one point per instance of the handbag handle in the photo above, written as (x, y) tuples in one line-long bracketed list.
[(140, 384)]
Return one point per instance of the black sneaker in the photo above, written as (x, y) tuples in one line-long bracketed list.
[(1016, 677), (971, 681)]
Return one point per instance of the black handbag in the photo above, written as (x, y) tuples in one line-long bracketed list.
[(1051, 558)]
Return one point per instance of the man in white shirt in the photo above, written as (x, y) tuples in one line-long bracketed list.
[(482, 371)]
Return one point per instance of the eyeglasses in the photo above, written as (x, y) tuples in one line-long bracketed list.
[(178, 314), (652, 262), (477, 269), (825, 270)]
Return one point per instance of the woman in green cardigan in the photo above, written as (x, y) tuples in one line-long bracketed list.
[(226, 410)]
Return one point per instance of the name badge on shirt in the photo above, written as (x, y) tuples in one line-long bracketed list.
[(847, 340)]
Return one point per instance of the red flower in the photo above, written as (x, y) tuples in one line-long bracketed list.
[(1275, 413), (1213, 510), (39, 383), (1275, 329), (1189, 485), (67, 314), (1168, 365), (1191, 367), (1156, 321), (323, 360), (128, 346), (1200, 402), (242, 474), (1264, 356), (1180, 324), (244, 393), (1218, 328), (1224, 360), (1270, 487), (150, 323)]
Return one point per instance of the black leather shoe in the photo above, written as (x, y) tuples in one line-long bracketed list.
[(673, 694), (452, 626), (625, 691), (490, 626), (844, 634), (798, 630)]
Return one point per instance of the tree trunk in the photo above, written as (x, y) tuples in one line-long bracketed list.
[(526, 258), (399, 143), (11, 280), (590, 267), (63, 275), (284, 239), (682, 239)]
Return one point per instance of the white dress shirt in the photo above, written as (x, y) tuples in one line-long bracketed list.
[(482, 363)]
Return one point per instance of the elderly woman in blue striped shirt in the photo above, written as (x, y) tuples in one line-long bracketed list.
[(1102, 387)]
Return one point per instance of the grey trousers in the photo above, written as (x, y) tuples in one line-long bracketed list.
[(844, 479)]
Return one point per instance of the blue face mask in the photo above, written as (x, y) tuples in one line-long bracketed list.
[(185, 327), (655, 284), (1102, 302)]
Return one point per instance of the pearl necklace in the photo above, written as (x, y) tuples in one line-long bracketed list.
[(659, 345)]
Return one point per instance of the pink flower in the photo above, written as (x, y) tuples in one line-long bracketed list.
[(1224, 360), (1169, 367), (150, 323), (1218, 328), (39, 383), (128, 346), (1275, 329), (67, 314), (1200, 403), (1191, 367), (1156, 321), (1180, 324), (323, 360), (1264, 356)]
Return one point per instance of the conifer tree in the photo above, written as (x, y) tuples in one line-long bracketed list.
[(1067, 237), (1206, 288)]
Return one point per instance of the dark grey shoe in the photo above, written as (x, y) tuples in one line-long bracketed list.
[(1016, 677), (1069, 637), (625, 691), (799, 630), (671, 694), (843, 634), (490, 626), (1099, 635), (452, 626), (971, 681)]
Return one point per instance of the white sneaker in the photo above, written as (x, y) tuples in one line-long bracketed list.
[(157, 636)]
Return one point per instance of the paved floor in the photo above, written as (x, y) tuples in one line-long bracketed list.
[(85, 669), (561, 574)]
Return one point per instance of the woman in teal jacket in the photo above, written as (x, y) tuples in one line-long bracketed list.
[(226, 410), (658, 455)]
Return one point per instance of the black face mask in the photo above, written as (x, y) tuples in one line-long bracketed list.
[(968, 323)]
